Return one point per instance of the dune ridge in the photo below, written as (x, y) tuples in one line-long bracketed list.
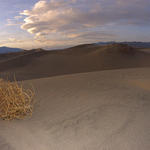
[(78, 59)]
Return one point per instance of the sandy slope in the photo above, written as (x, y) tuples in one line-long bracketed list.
[(84, 58), (106, 110)]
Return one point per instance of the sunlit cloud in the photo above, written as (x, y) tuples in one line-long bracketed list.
[(64, 16), (71, 22), (70, 18)]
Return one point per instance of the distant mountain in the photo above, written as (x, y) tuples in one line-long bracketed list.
[(4, 50), (134, 44)]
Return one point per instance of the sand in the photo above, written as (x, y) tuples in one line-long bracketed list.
[(105, 110), (85, 58)]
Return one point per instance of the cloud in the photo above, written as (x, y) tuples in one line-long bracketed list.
[(15, 21), (78, 18), (10, 40)]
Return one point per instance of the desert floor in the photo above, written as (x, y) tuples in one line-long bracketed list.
[(105, 110)]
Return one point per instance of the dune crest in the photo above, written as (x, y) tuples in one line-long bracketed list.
[(83, 58)]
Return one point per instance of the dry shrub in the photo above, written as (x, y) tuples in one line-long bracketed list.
[(15, 102)]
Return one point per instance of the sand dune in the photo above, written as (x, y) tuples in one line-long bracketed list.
[(78, 59), (104, 110), (90, 111)]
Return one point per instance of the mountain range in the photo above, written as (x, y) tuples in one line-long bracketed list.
[(134, 44), (9, 50)]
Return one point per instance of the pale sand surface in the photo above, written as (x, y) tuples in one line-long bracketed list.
[(107, 110)]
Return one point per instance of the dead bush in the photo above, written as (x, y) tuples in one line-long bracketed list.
[(15, 101)]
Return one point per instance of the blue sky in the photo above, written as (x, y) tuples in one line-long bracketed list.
[(61, 23), (11, 8)]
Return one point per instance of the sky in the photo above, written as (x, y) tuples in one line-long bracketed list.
[(53, 24)]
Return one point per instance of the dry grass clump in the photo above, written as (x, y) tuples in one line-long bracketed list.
[(15, 102)]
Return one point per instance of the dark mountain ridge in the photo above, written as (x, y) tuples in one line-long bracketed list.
[(9, 50), (134, 44)]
